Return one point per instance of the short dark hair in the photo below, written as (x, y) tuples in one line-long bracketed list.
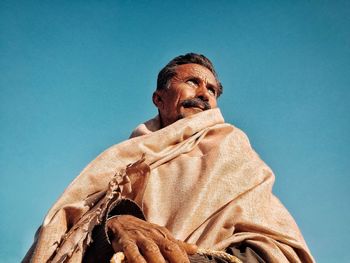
[(169, 71)]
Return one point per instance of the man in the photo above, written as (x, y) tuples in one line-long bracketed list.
[(184, 181)]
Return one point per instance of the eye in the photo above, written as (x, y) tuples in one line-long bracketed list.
[(212, 91), (192, 82)]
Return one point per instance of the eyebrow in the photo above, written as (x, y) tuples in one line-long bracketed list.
[(193, 78)]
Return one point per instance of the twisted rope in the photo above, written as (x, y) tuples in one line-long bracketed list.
[(220, 254)]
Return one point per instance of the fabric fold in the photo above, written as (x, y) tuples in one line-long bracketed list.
[(205, 184)]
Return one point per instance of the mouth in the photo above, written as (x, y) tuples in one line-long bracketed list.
[(194, 107)]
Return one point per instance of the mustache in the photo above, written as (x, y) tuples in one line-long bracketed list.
[(196, 102)]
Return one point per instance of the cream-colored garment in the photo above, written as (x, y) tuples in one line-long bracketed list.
[(206, 185)]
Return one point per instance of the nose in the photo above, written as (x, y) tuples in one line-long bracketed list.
[(202, 93)]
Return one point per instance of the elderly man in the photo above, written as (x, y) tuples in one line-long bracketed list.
[(185, 181)]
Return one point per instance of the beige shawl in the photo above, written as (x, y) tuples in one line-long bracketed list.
[(200, 179)]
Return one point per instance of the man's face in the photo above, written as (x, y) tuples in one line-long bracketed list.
[(192, 90)]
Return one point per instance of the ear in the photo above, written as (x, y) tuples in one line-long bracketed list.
[(157, 99)]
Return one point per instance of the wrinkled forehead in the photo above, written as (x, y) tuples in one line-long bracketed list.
[(195, 71)]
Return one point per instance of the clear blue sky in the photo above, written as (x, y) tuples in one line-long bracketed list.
[(77, 77)]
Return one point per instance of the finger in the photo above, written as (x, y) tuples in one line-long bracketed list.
[(190, 249), (115, 229), (173, 253), (150, 251), (131, 252)]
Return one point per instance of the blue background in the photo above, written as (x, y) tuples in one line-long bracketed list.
[(77, 77)]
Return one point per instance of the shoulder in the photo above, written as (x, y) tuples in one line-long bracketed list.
[(147, 127)]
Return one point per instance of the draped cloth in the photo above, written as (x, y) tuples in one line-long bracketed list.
[(199, 177)]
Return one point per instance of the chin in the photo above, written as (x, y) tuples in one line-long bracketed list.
[(186, 112)]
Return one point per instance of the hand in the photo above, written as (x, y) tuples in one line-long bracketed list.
[(144, 242)]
